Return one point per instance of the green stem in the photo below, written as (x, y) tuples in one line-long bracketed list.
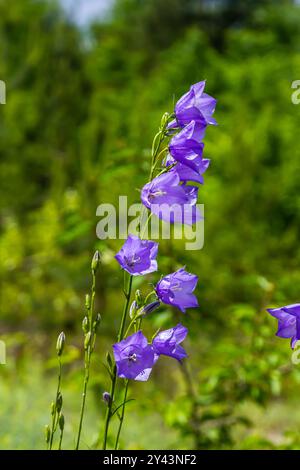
[(60, 439), (87, 359), (127, 293), (122, 415), (53, 424)]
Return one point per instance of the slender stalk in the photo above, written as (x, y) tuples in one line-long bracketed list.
[(127, 293), (87, 358), (55, 414), (122, 416), (60, 439), (156, 144)]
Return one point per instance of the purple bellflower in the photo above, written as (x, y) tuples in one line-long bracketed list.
[(195, 105), (288, 322), (171, 201), (177, 289), (186, 173), (186, 146), (138, 257), (134, 357), (168, 342)]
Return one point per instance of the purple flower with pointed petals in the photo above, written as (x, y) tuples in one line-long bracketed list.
[(168, 342), (186, 173), (288, 322), (177, 289), (134, 357), (137, 256), (195, 105), (186, 146), (171, 201)]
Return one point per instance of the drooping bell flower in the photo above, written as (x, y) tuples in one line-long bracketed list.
[(138, 257), (288, 322), (195, 105), (171, 201), (177, 289), (168, 342), (186, 146), (134, 357), (186, 173)]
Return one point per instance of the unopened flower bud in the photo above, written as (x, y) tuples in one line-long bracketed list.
[(87, 340), (47, 433), (61, 422), (133, 309), (88, 301), (138, 297), (109, 360), (59, 402), (150, 307), (164, 119), (106, 397), (96, 322), (52, 407), (85, 324), (60, 343), (95, 261)]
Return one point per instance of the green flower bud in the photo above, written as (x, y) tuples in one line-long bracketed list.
[(133, 309), (85, 324), (47, 433), (95, 262), (138, 297), (59, 402), (88, 301), (87, 340), (61, 422), (97, 322), (164, 119), (109, 360), (60, 343), (52, 407)]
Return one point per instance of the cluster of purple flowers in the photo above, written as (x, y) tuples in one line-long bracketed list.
[(168, 195), (134, 355)]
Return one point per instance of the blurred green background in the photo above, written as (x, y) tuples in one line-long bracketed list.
[(83, 104)]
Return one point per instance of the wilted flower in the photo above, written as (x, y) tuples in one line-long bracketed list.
[(186, 146), (137, 256), (176, 289), (195, 105), (288, 322), (187, 173), (171, 201), (168, 342), (134, 357)]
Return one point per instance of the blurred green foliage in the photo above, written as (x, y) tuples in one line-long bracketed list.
[(76, 131)]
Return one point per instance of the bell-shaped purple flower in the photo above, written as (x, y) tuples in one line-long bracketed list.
[(186, 146), (288, 322), (168, 342), (177, 289), (171, 201), (134, 357), (186, 173), (195, 105), (138, 257)]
